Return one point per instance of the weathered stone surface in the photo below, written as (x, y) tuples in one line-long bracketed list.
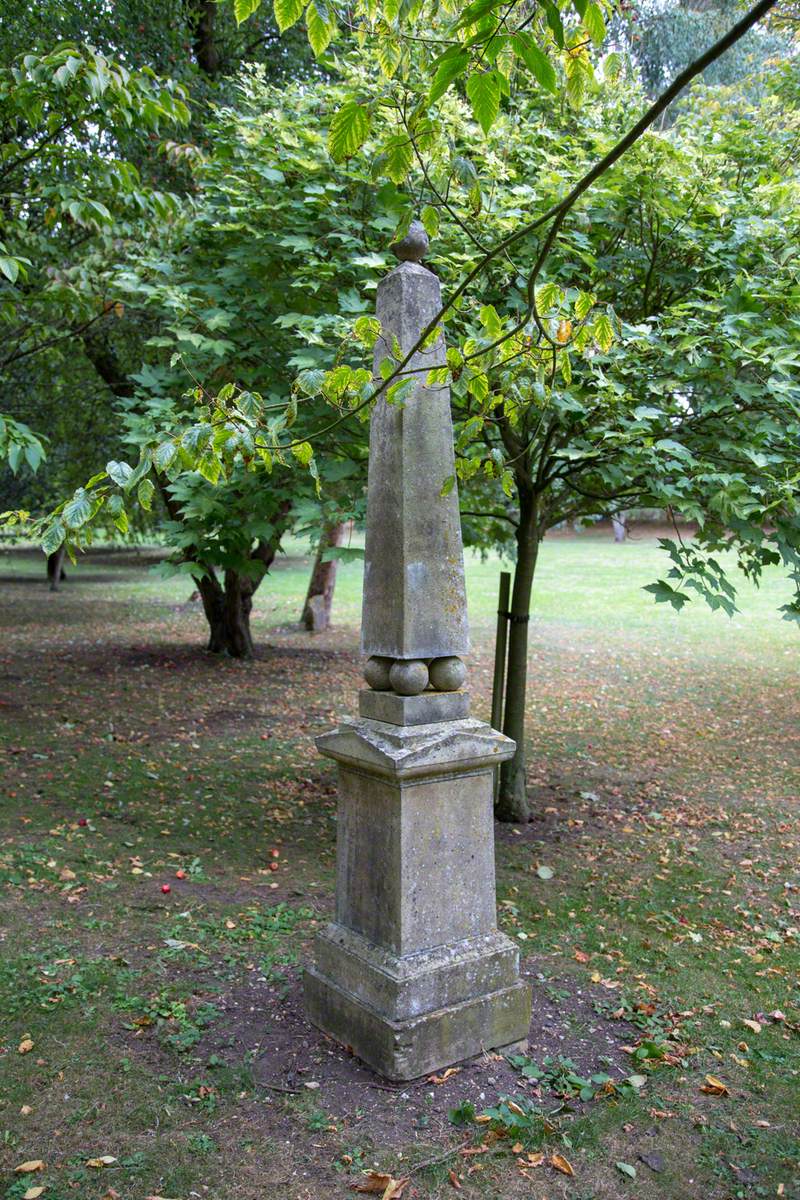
[(425, 709), (447, 674), (425, 750), (414, 599), (407, 1049), (408, 985), (413, 973)]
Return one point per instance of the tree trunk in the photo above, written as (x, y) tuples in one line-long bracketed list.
[(55, 568), (319, 598), (512, 800), (202, 15), (619, 526), (227, 605)]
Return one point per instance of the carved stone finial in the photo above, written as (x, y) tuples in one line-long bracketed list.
[(414, 246)]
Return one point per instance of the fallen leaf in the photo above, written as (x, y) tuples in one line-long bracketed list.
[(626, 1169), (456, 1182), (448, 1074), (535, 1160), (714, 1087), (33, 1193), (515, 1108), (26, 1110), (312, 1085), (105, 1160), (25, 1046), (517, 1148), (581, 956), (754, 1025), (560, 1163), (35, 1164), (377, 1183), (544, 872)]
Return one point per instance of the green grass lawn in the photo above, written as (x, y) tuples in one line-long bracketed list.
[(164, 1030)]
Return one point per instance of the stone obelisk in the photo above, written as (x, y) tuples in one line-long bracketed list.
[(413, 973)]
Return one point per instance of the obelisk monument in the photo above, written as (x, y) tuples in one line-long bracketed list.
[(413, 973)]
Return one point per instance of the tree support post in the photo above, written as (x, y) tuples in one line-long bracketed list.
[(500, 651), (413, 972)]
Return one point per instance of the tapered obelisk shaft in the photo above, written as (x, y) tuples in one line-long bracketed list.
[(414, 604)]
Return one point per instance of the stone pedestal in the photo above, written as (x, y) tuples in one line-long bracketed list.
[(413, 973)]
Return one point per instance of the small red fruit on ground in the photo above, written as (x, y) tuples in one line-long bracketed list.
[(82, 822), (180, 874), (165, 888), (273, 866)]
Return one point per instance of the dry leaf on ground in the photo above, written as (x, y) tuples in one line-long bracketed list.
[(377, 1183), (448, 1074), (456, 1182), (105, 1160), (714, 1087), (561, 1164), (25, 1046), (35, 1164), (33, 1193)]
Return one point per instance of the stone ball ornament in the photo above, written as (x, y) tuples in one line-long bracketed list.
[(447, 674), (414, 246), (409, 678), (376, 673)]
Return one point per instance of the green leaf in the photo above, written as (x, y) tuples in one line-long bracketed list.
[(447, 486), (163, 455), (145, 492), (473, 12), (664, 594), (10, 268), (78, 510), (53, 537), (430, 219), (120, 472), (388, 54), (303, 452), (483, 91), (320, 26), (398, 156), (287, 13), (544, 872), (367, 330), (595, 23), (626, 1169), (535, 60), (448, 70), (603, 332), (242, 9), (348, 130)]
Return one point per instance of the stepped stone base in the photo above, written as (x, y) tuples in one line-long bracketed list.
[(406, 1049), (413, 973)]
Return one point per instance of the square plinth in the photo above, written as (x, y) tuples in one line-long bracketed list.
[(428, 708), (413, 973), (407, 1049)]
